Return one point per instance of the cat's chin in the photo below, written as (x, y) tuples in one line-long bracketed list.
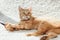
[(26, 20)]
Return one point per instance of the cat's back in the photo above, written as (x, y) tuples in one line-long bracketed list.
[(54, 22)]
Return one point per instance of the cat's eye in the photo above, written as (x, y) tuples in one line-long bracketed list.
[(23, 12), (28, 12)]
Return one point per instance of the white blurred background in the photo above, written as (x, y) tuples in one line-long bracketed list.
[(40, 8), (47, 9)]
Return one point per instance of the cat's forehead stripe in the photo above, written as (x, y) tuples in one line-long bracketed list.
[(26, 11)]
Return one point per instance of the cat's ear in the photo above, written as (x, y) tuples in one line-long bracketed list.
[(20, 8), (30, 9)]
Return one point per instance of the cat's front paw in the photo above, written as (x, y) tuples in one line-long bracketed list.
[(9, 27)]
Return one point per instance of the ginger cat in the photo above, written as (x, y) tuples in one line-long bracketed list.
[(28, 22)]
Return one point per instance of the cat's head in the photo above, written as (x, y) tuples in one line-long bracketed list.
[(25, 14)]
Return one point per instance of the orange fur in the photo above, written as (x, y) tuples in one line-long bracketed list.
[(29, 22)]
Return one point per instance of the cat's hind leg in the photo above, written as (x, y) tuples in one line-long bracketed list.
[(39, 32), (49, 35)]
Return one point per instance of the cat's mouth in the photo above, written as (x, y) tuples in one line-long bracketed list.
[(25, 18)]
